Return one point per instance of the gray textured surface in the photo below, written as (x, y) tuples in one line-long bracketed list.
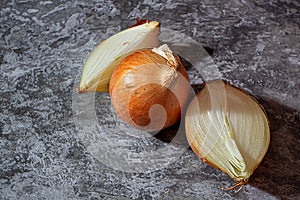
[(43, 46)]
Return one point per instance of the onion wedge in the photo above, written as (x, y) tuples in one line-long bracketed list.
[(106, 56)]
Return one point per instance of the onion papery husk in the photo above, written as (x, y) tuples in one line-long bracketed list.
[(107, 55), (228, 129)]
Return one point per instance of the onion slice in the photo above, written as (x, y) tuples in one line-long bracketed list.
[(106, 56)]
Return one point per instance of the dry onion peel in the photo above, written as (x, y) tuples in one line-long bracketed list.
[(107, 55), (228, 129)]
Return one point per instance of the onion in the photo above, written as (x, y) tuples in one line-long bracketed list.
[(149, 88), (228, 129), (106, 56)]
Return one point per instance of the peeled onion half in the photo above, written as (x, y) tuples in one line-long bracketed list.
[(228, 129)]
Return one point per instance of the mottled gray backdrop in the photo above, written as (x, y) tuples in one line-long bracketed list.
[(46, 144)]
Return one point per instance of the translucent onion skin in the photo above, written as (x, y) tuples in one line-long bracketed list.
[(228, 129), (143, 80)]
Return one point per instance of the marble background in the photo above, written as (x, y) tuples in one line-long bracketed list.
[(254, 44)]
